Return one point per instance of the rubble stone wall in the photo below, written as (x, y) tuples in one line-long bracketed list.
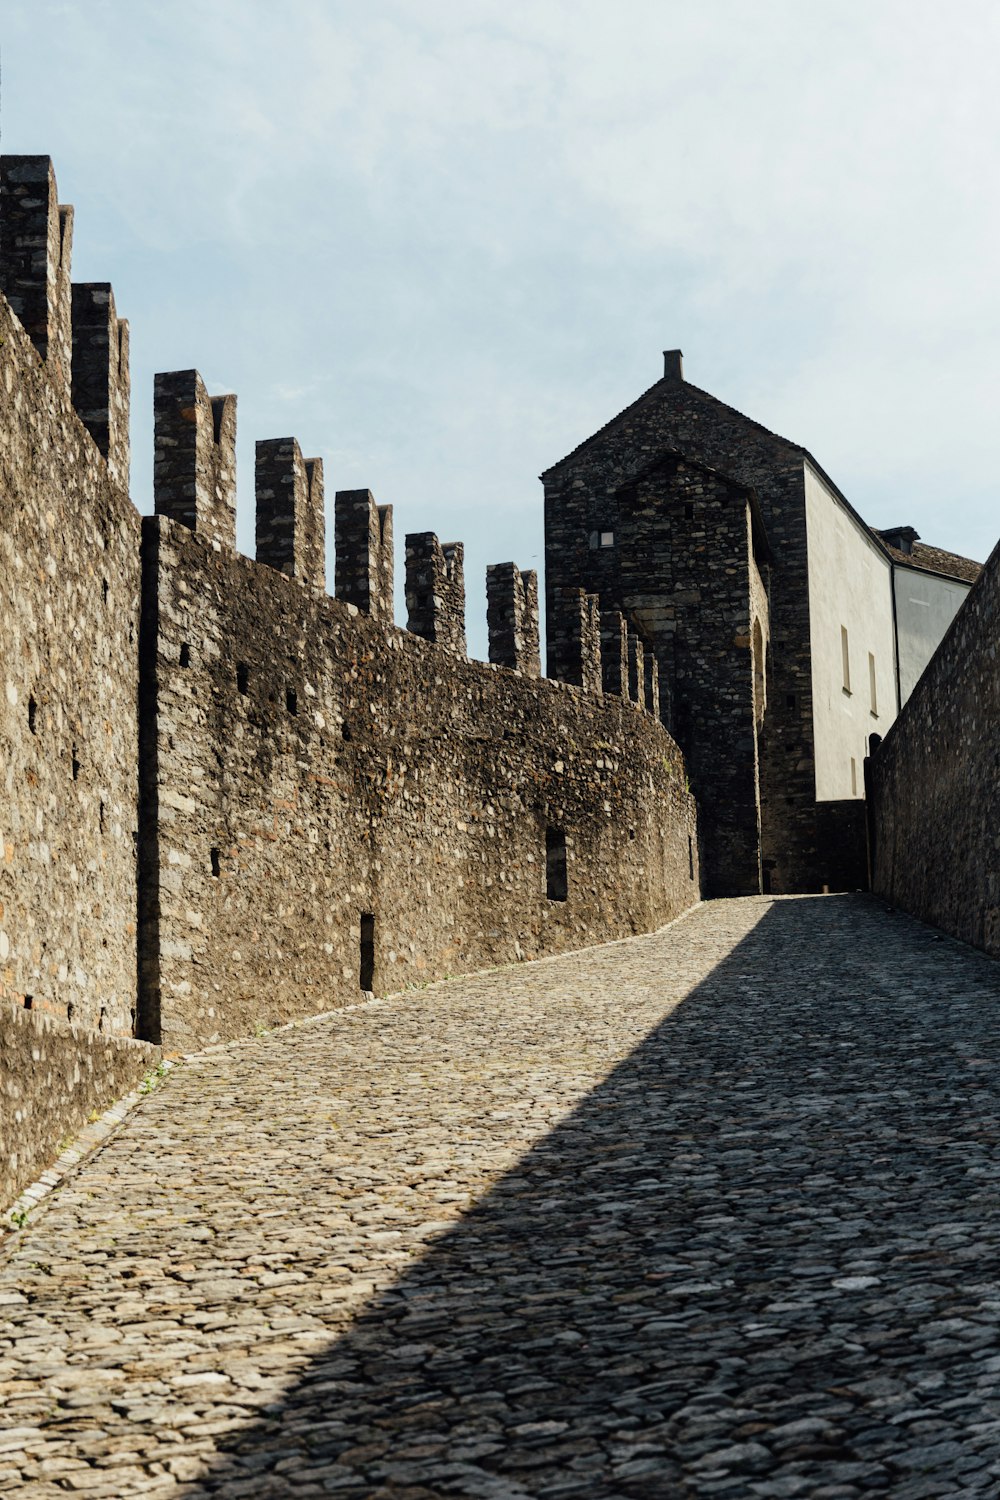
[(69, 614), (581, 507), (331, 792), (933, 782), (53, 1078)]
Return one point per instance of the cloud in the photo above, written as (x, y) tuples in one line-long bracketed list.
[(455, 234)]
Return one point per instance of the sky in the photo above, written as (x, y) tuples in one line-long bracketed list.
[(442, 241)]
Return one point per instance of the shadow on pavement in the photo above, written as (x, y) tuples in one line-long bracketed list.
[(762, 1258)]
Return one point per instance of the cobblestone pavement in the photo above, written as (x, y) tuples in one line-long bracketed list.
[(714, 1212)]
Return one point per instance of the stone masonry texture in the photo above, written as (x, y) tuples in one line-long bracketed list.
[(314, 766), (52, 1079), (36, 241), (683, 1216), (933, 782), (435, 590), (229, 799), (512, 618), (291, 526), (69, 617), (194, 471), (581, 506), (691, 530)]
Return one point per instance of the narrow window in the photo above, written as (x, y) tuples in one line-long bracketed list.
[(689, 512), (242, 676), (75, 764), (854, 777), (871, 684), (367, 974), (556, 881), (104, 589), (32, 715), (607, 539), (690, 857), (216, 863), (100, 817), (185, 654), (845, 653), (69, 1011), (29, 1001), (790, 701), (291, 701)]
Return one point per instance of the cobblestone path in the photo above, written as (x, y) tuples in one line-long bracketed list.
[(714, 1212)]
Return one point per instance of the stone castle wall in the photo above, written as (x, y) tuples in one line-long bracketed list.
[(231, 800), (932, 782), (53, 1078), (317, 767), (69, 629)]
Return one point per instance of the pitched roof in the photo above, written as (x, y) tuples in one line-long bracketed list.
[(926, 559), (935, 560), (664, 383)]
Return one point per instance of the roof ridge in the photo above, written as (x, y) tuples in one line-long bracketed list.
[(641, 399)]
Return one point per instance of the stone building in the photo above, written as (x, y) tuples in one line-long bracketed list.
[(786, 631)]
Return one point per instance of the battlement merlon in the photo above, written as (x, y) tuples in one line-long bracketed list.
[(194, 467), (651, 684), (614, 653), (512, 618), (636, 669), (574, 639), (100, 376), (36, 242), (435, 590), (364, 561), (291, 528)]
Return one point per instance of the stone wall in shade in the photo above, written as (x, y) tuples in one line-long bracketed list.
[(581, 551), (336, 805), (932, 782), (53, 1078), (688, 575)]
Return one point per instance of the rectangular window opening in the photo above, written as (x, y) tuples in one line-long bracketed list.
[(367, 973), (872, 684), (689, 512), (556, 878), (75, 765), (607, 538), (854, 777), (185, 654), (29, 1001), (845, 654), (291, 700), (216, 863), (32, 715), (242, 676), (690, 857)]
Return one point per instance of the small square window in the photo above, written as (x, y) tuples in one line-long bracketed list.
[(607, 539)]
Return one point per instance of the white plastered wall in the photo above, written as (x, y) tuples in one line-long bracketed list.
[(850, 587), (925, 606)]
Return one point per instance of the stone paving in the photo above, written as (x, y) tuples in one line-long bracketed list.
[(714, 1212)]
